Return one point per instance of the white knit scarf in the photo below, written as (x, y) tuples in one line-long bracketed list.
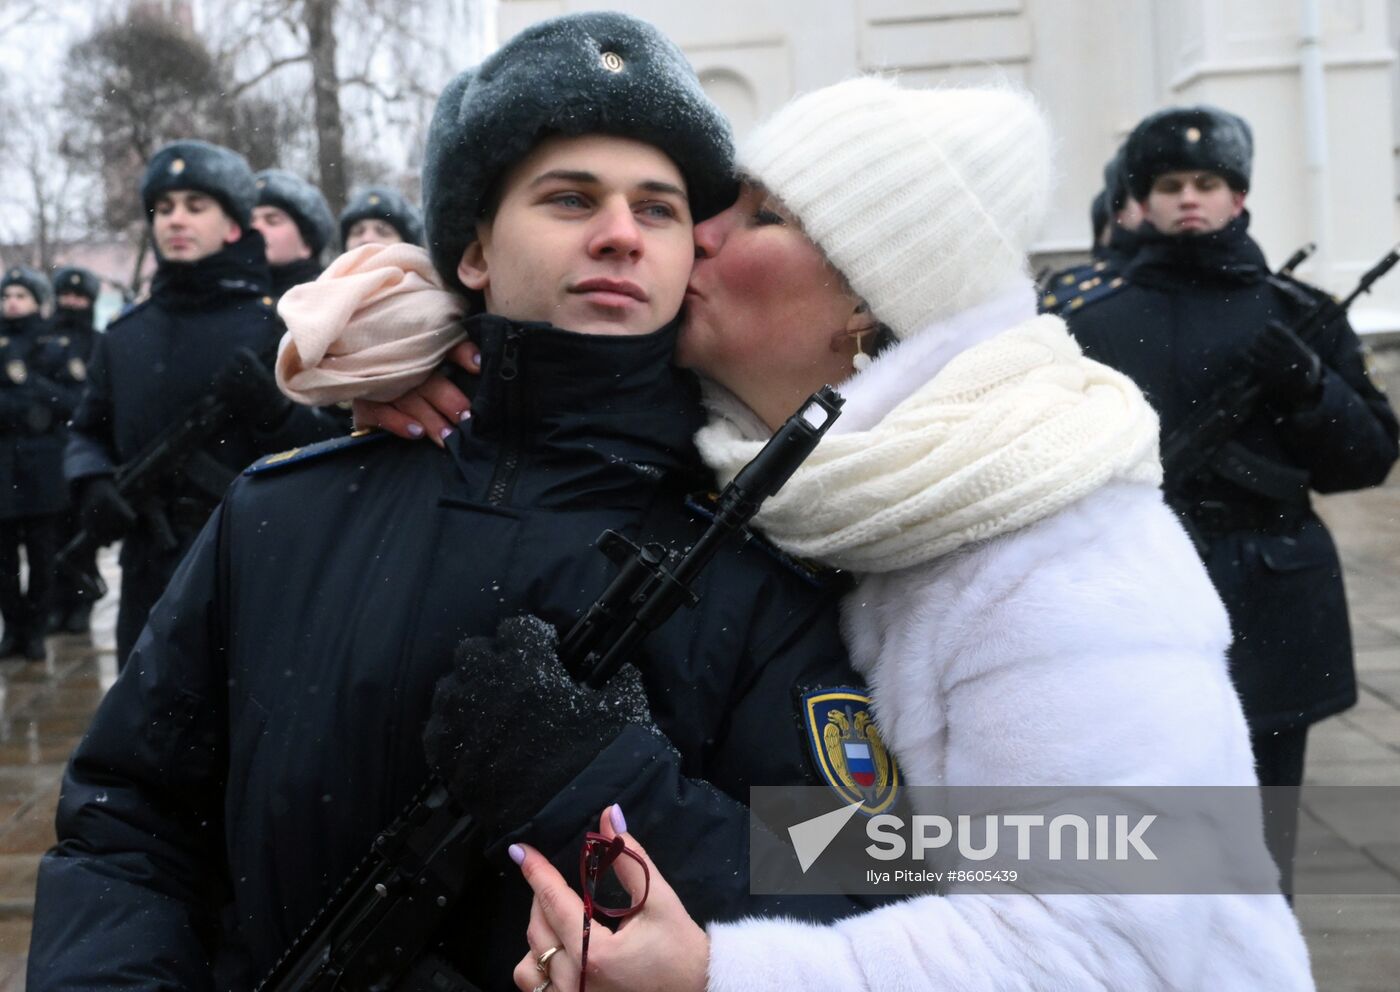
[(984, 440)]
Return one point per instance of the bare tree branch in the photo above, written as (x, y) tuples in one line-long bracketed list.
[(18, 13), (244, 86)]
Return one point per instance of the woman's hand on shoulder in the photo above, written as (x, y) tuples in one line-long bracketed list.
[(432, 410), (658, 947)]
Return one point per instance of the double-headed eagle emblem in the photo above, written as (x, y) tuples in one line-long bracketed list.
[(848, 749)]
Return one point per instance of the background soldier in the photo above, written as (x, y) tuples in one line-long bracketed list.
[(38, 390), (380, 215), (75, 295), (1114, 217), (295, 221), (208, 325), (1203, 306)]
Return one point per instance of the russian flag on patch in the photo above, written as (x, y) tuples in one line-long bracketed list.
[(859, 763)]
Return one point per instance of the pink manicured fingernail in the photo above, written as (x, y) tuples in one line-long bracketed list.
[(517, 853), (619, 821), (416, 430), (445, 433), (465, 416), (476, 361)]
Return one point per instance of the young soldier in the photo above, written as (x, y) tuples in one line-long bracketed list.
[(295, 221), (1204, 306), (75, 295), (265, 731), (380, 215), (1114, 217), (208, 325), (38, 390)]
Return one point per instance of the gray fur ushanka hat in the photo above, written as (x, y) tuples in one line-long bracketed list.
[(30, 279), (388, 205), (1187, 138), (197, 165), (301, 201), (592, 73), (77, 280)]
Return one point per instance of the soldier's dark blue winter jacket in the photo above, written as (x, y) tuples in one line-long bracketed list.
[(41, 376), (152, 364), (1180, 325), (269, 720)]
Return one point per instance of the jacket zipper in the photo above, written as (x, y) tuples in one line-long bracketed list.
[(508, 462)]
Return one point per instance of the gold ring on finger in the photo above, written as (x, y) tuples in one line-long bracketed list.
[(542, 963)]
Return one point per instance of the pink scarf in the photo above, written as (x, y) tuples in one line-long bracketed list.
[(375, 324)]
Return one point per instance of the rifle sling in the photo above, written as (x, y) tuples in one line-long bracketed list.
[(1256, 474)]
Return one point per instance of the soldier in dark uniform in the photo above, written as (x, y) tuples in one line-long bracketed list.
[(209, 324), (296, 223), (265, 729), (1114, 217), (75, 295), (380, 215), (39, 386), (1197, 304)]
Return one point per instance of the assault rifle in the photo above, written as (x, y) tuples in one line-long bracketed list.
[(1203, 444), (373, 934), (140, 481)]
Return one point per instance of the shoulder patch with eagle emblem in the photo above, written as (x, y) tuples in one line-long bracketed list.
[(847, 748)]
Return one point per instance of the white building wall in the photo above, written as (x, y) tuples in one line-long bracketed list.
[(1097, 66)]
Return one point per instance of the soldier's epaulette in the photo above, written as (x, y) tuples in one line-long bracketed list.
[(306, 453), (1071, 284), (127, 311), (1098, 288), (818, 576)]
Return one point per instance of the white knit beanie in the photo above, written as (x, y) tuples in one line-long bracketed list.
[(925, 200)]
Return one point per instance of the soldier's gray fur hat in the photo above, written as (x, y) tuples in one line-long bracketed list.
[(591, 73), (301, 201), (197, 165), (30, 279), (386, 204), (1181, 138), (77, 280)]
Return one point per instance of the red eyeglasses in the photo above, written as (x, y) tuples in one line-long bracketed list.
[(596, 857)]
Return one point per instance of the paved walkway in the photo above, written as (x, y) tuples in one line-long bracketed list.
[(1355, 940)]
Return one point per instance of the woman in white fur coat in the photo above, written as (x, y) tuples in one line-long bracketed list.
[(1029, 612)]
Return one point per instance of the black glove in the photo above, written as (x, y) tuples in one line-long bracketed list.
[(103, 512), (509, 729), (1289, 370), (251, 390)]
